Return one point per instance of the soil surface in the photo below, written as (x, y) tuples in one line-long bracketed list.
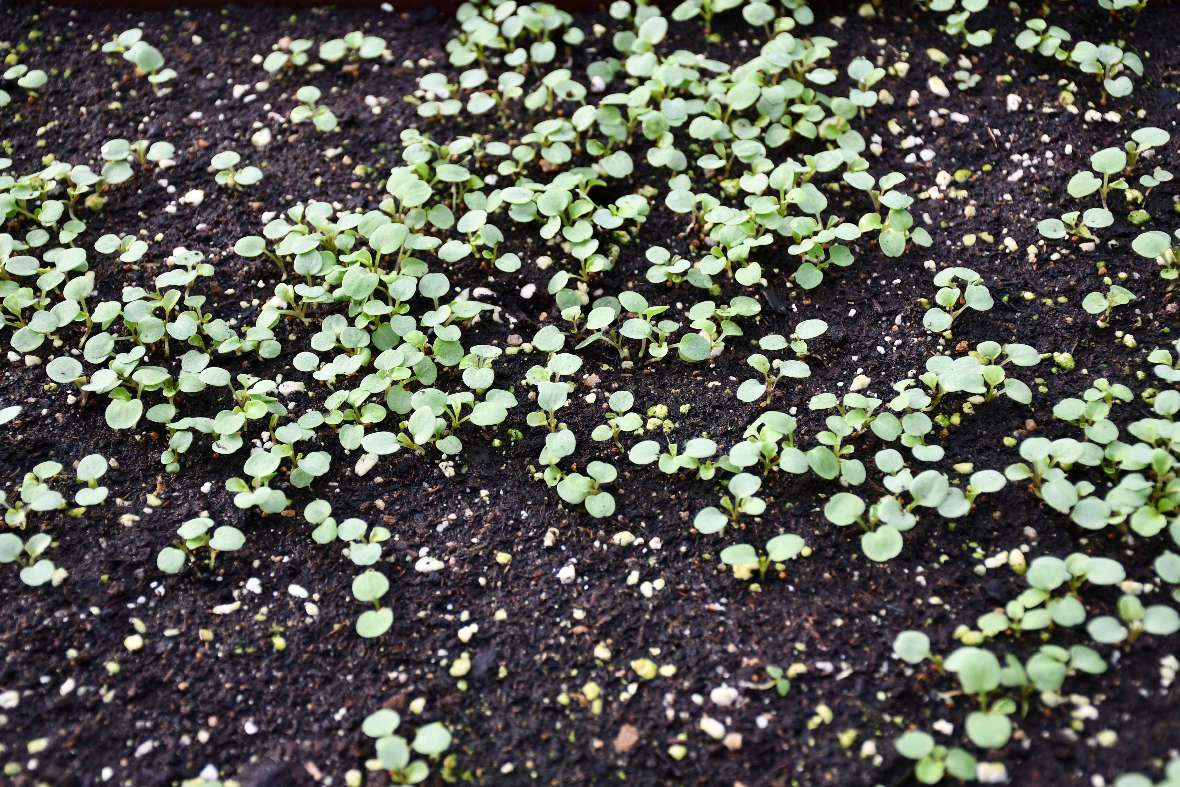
[(211, 689)]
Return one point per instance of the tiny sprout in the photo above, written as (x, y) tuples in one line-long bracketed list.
[(128, 247), (744, 558), (1109, 163), (36, 570), (953, 300), (932, 760), (35, 495), (394, 751), (958, 13), (620, 418), (1109, 64), (865, 74), (576, 488), (309, 108), (741, 499), (146, 58), (369, 587), (1123, 5), (1157, 245), (229, 174), (195, 536), (354, 45), (965, 80), (1144, 139), (1046, 39), (91, 468), (123, 41), (294, 56), (778, 680), (29, 79), (1102, 304)]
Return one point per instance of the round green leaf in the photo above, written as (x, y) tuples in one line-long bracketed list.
[(374, 622), (882, 544)]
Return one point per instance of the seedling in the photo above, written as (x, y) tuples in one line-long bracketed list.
[(773, 371), (199, 535), (228, 174), (35, 569), (865, 74), (586, 490), (31, 79), (147, 59), (369, 587), (882, 539), (953, 300), (778, 680), (35, 495), (261, 467), (745, 559), (394, 752), (1103, 304), (966, 79), (933, 761), (1109, 163), (1076, 224), (693, 456), (1122, 5), (1142, 140), (705, 9), (91, 468), (1157, 245), (129, 248), (353, 46), (123, 41), (310, 109), (1110, 65), (742, 499), (1133, 621), (1046, 39), (295, 55), (956, 20), (620, 418)]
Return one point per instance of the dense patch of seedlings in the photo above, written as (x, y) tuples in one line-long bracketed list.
[(767, 169)]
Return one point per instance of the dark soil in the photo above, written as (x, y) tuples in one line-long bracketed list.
[(269, 717)]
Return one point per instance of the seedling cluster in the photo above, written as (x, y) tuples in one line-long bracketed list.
[(370, 342)]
